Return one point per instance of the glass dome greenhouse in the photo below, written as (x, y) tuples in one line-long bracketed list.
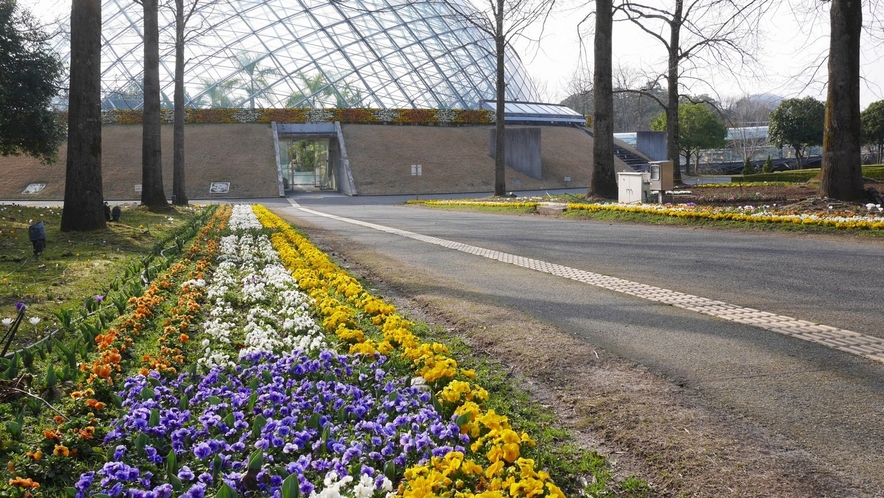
[(389, 54)]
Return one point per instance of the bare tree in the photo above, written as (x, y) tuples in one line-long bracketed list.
[(746, 116), (544, 93), (83, 194), (841, 170), (638, 99), (579, 90), (502, 21), (152, 192), (697, 34), (749, 110), (183, 15), (603, 183)]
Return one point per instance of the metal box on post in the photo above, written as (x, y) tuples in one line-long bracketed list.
[(662, 176)]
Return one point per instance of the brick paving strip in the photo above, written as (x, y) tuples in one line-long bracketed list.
[(843, 340)]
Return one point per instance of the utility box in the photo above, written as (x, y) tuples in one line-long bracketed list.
[(633, 187), (662, 176)]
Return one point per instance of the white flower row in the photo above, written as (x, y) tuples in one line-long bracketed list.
[(242, 218), (254, 303)]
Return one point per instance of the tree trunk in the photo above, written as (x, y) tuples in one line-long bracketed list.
[(603, 182), (152, 193), (500, 89), (179, 193), (672, 92), (83, 194), (841, 170)]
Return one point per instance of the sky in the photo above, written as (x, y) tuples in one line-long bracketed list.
[(792, 43)]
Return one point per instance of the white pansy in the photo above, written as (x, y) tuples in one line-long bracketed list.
[(364, 488), (194, 283), (255, 304)]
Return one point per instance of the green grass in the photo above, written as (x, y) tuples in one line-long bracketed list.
[(802, 175), (504, 206), (59, 292), (75, 265)]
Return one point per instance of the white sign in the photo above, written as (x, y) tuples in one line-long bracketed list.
[(416, 170), (34, 188), (219, 188), (138, 187)]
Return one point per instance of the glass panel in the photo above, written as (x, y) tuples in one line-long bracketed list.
[(410, 52)]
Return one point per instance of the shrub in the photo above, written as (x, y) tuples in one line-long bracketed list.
[(748, 168), (768, 165)]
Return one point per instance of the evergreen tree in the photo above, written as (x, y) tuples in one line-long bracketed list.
[(28, 76), (748, 169), (768, 165)]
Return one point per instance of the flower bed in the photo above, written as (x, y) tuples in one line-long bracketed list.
[(760, 214), (51, 448), (425, 117), (872, 219), (254, 366)]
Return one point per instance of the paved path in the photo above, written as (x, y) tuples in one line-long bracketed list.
[(844, 340), (719, 312)]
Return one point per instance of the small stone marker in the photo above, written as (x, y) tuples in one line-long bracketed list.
[(34, 188), (551, 209), (219, 187)]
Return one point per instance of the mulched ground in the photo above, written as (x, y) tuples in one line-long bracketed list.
[(798, 198)]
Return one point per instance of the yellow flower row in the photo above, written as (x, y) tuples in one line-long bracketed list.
[(743, 184), (863, 223), (500, 203), (844, 221), (494, 441)]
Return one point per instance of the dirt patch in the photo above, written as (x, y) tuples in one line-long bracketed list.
[(647, 426), (801, 198)]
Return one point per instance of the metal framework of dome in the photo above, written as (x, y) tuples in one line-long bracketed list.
[(312, 53)]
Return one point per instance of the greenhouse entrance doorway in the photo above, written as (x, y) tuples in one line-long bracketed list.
[(307, 164), (307, 156)]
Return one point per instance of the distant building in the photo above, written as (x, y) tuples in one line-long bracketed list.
[(742, 142)]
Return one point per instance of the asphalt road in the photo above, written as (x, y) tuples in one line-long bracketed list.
[(827, 403)]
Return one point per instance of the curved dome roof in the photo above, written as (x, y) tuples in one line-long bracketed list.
[(311, 53)]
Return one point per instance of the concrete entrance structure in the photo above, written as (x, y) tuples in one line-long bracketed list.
[(334, 174)]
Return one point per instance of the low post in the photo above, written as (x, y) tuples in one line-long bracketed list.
[(416, 172), (37, 234), (10, 333)]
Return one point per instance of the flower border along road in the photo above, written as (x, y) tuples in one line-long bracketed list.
[(268, 408), (760, 214), (73, 441)]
